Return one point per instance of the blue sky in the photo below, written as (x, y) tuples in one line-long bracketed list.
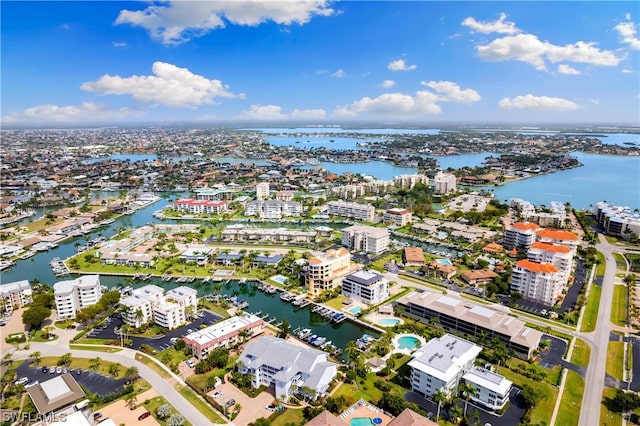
[(317, 61)]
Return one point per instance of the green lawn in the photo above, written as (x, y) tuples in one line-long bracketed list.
[(171, 357), (37, 337), (581, 353), (153, 405), (591, 310), (615, 360), (619, 305), (543, 411), (200, 404), (601, 264), (619, 258), (83, 364), (152, 365), (367, 390), (607, 417), (571, 400), (288, 417), (336, 303), (95, 348)]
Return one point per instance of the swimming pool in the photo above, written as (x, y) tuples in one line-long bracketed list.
[(279, 279), (361, 421), (442, 235), (389, 321), (445, 262), (408, 342), (355, 310)]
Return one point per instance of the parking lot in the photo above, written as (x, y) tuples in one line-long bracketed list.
[(94, 382), (114, 323), (252, 408)]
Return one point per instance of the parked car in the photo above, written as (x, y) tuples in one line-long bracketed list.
[(271, 407), (45, 369), (144, 415), (97, 415), (189, 331), (22, 381), (52, 370), (217, 394), (30, 384), (190, 363), (230, 402), (58, 370), (78, 372)]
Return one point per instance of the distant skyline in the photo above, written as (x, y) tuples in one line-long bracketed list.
[(317, 61)]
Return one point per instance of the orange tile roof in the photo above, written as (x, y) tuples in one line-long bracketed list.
[(554, 248), (525, 225), (536, 267), (557, 234), (413, 254), (492, 247)]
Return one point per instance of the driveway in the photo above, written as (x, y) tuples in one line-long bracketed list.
[(252, 408), (121, 415)]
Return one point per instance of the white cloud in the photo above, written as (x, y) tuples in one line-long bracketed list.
[(400, 65), (274, 112), (119, 44), (537, 102), (85, 112), (528, 48), (387, 84), (448, 91), (485, 27), (628, 33), (626, 71), (566, 69), (339, 73), (177, 22), (170, 86), (393, 105)]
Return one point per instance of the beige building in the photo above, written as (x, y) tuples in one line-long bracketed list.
[(540, 282), (324, 272), (15, 295), (73, 295), (409, 181), (262, 191), (368, 239), (166, 310), (444, 183), (365, 212), (397, 217)]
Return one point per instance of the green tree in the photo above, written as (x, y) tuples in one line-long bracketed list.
[(114, 369), (65, 359), (131, 401), (35, 315), (440, 397), (36, 357), (131, 374), (163, 411), (531, 395), (94, 363)]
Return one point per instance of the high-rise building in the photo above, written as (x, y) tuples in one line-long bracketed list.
[(541, 282), (325, 271), (409, 181), (444, 183), (73, 295), (262, 191), (368, 239), (520, 235)]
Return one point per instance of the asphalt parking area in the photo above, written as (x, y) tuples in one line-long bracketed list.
[(553, 356)]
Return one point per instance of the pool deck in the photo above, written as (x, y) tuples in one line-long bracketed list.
[(407, 351), (364, 409)]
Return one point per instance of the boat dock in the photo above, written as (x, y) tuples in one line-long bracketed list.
[(58, 267)]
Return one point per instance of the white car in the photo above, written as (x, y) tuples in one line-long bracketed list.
[(22, 381), (190, 363), (217, 394)]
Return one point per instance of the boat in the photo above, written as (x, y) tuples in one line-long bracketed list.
[(4, 264), (319, 341), (206, 280), (304, 333)]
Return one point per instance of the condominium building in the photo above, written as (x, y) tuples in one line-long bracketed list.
[(541, 282), (73, 295), (273, 209), (149, 303), (520, 235), (193, 206), (560, 237), (349, 192), (465, 318), (364, 238), (444, 183), (489, 389), (617, 220), (275, 235), (364, 212), (227, 333), (15, 295), (325, 271), (397, 217), (289, 368), (262, 191), (556, 216), (366, 286), (440, 364), (558, 255), (409, 181), (213, 194)]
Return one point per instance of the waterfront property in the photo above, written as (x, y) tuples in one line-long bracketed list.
[(444, 183), (556, 216), (541, 282), (213, 194), (15, 295), (325, 271), (520, 235), (466, 318), (366, 287), (73, 295), (290, 368), (268, 235), (617, 220), (150, 303), (413, 256), (440, 364), (364, 212), (197, 254), (397, 217), (367, 239), (192, 206), (226, 333), (560, 237), (478, 277), (273, 209), (408, 181)]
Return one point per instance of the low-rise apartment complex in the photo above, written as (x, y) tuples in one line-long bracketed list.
[(617, 220), (73, 295), (397, 217), (15, 295), (364, 212), (273, 209), (150, 303), (193, 206), (367, 239)]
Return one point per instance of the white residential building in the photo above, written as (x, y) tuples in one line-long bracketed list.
[(272, 361), (440, 364), (444, 183), (409, 181), (15, 295), (226, 333), (200, 206), (365, 212), (273, 209), (214, 194), (560, 256), (397, 217), (366, 238), (73, 295), (366, 286), (325, 271), (262, 190), (617, 220), (560, 237), (520, 235), (150, 303), (490, 389), (541, 282)]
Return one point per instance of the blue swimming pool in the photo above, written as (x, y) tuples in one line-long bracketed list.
[(279, 279), (446, 262), (355, 310), (408, 342), (361, 421), (389, 321)]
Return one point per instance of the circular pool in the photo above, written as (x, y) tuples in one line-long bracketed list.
[(408, 342)]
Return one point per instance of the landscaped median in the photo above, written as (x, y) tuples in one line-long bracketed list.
[(590, 317), (571, 400)]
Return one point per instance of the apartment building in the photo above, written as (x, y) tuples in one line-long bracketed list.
[(193, 206), (559, 237), (367, 239), (268, 235), (440, 364), (617, 220), (409, 181), (444, 183), (325, 271), (262, 191), (489, 389), (558, 255), (366, 287), (213, 194), (541, 282), (289, 368), (15, 295), (227, 333), (149, 303), (364, 212), (273, 209), (520, 235), (397, 217), (73, 295)]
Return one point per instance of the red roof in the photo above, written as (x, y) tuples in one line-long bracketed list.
[(554, 248), (536, 267), (557, 234), (525, 225)]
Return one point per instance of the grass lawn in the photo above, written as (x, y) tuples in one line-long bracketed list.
[(211, 306), (200, 404), (37, 337), (591, 310), (619, 305), (619, 258), (601, 264), (609, 418), (83, 364), (336, 303), (153, 405), (200, 381), (152, 365), (571, 400), (543, 411), (171, 357), (581, 353), (615, 360), (367, 391), (288, 417), (95, 348), (63, 324), (90, 341)]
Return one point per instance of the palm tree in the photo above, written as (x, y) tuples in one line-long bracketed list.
[(131, 401), (138, 315), (114, 369), (456, 414), (351, 349), (36, 357), (467, 390), (440, 397), (131, 374), (94, 363)]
